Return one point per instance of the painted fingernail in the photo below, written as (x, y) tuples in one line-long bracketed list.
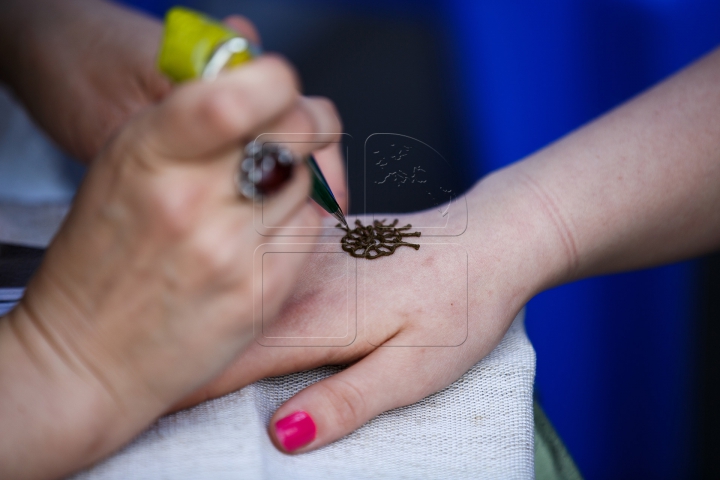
[(295, 431)]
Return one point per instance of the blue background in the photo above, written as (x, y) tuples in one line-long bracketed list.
[(615, 354)]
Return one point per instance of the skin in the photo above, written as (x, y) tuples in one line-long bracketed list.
[(638, 187)]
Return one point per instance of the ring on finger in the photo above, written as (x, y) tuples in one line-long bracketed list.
[(265, 168)]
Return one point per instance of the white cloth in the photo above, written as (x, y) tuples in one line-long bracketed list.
[(479, 427)]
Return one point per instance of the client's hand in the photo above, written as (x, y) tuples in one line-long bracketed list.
[(147, 291), (425, 318)]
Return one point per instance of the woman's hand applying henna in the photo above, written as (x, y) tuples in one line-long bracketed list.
[(147, 291)]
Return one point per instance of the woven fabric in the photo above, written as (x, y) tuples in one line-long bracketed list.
[(479, 427)]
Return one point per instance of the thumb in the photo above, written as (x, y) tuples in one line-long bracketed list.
[(389, 377)]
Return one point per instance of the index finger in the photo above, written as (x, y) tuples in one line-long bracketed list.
[(202, 118)]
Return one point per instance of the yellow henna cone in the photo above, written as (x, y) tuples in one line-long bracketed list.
[(189, 41)]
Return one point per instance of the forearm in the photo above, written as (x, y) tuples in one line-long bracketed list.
[(638, 187), (55, 416), (81, 68), (21, 22)]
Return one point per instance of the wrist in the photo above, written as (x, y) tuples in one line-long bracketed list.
[(74, 407), (54, 418), (510, 233)]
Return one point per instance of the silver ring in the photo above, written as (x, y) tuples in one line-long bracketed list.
[(222, 55)]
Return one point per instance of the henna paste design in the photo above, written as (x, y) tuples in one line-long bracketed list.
[(376, 240)]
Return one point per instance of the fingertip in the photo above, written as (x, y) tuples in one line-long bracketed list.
[(334, 406), (294, 432), (325, 118), (329, 108), (244, 27)]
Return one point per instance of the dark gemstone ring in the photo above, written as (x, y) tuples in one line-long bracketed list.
[(264, 170)]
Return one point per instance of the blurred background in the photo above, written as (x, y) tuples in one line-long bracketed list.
[(628, 365)]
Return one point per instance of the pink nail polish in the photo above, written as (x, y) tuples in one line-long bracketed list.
[(295, 430)]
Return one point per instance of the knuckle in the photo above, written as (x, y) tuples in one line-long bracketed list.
[(219, 110), (348, 404), (161, 204), (214, 257), (172, 211)]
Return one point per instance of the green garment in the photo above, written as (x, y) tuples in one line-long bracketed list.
[(552, 460)]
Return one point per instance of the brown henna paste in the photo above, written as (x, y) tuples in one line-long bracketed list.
[(376, 240)]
